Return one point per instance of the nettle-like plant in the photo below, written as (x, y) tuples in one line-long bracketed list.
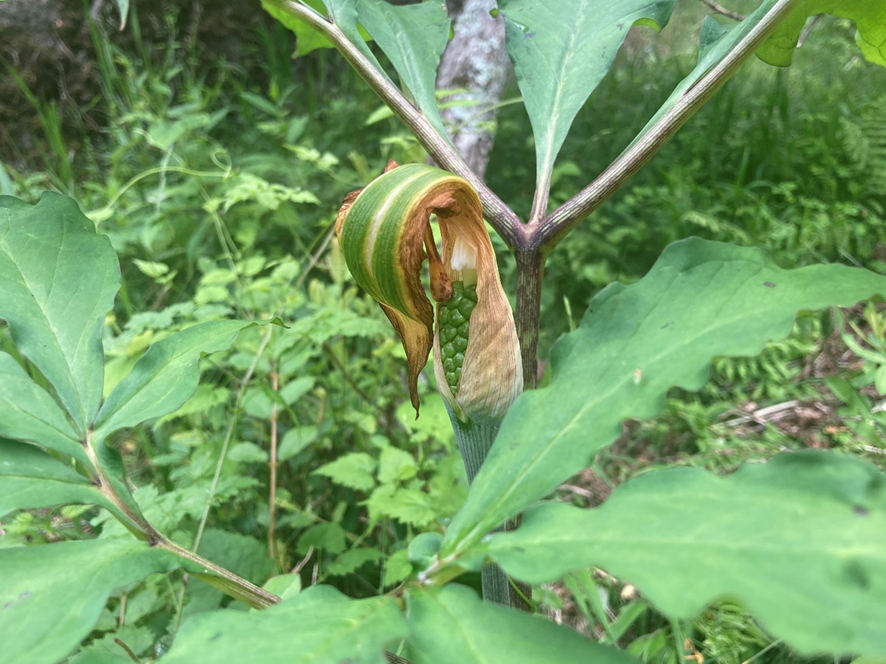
[(800, 541)]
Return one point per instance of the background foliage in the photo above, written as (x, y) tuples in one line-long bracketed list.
[(215, 165)]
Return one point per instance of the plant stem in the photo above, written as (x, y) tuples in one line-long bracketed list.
[(272, 495), (226, 581), (474, 442), (530, 268), (499, 215), (564, 218)]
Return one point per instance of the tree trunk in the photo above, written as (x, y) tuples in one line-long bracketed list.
[(475, 60)]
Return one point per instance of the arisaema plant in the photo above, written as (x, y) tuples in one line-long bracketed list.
[(800, 541)]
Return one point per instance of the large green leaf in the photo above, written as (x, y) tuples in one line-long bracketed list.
[(319, 625), (453, 626), (28, 413), (869, 17), (30, 478), (561, 51), (414, 38), (700, 300), (164, 377), (800, 540), (58, 279), (52, 595)]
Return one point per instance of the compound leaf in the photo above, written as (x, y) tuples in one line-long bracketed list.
[(801, 541), (700, 300)]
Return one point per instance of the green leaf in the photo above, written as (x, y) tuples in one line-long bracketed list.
[(801, 541), (295, 440), (718, 41), (351, 561), (52, 595), (58, 279), (869, 17), (700, 300), (411, 506), (307, 39), (414, 38), (165, 377), (29, 414), (30, 478), (454, 625), (101, 658), (397, 568), (561, 51), (318, 625), (343, 13), (329, 537), (284, 586), (352, 470), (395, 465)]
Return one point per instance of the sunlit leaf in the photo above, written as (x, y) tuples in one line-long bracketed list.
[(801, 541), (700, 300), (869, 17)]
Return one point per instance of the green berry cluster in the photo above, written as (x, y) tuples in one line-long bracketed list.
[(454, 317)]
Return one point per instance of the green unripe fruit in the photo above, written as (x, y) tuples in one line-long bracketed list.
[(454, 317)]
